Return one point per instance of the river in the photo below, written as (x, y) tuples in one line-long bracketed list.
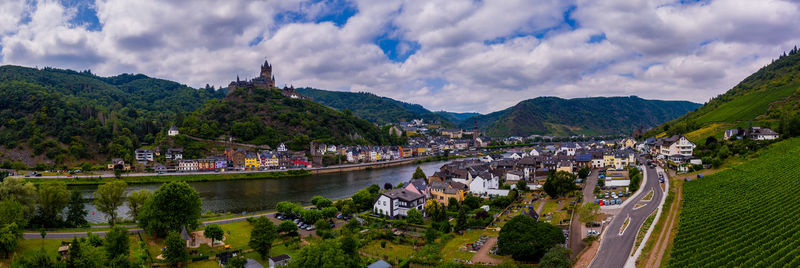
[(262, 194)]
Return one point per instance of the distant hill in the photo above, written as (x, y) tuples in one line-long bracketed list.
[(456, 117), (589, 116), (266, 117), (769, 97), (373, 108), (66, 116)]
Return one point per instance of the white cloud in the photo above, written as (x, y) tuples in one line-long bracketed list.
[(464, 55)]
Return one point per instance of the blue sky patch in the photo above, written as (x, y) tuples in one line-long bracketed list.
[(396, 49), (341, 12), (85, 14), (255, 41), (568, 18), (597, 38)]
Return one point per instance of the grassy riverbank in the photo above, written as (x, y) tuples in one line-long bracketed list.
[(187, 178)]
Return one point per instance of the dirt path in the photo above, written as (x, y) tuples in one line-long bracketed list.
[(482, 256), (540, 207), (585, 258), (657, 253)]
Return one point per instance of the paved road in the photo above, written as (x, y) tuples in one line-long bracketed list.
[(615, 249), (577, 231)]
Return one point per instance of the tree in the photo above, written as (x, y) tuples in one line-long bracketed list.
[(430, 235), (118, 173), (387, 186), (288, 227), (321, 202), (452, 204), (461, 220), (374, 189), (349, 246), (363, 198), (522, 185), (414, 216), (588, 212), (237, 262), (288, 208), (724, 152), (435, 210), (559, 183), (39, 259), (261, 236), (472, 202), (9, 237), (176, 248), (636, 182), (584, 172), (556, 257), (75, 257), (16, 189), (525, 239), (53, 197), (76, 215), (419, 174), (117, 243), (311, 215), (323, 228), (326, 253), (12, 211), (329, 212), (214, 232), (136, 201), (109, 197), (172, 206)]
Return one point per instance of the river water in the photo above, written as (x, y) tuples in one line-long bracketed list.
[(263, 194)]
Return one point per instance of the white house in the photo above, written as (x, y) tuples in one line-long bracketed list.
[(280, 260), (173, 131), (397, 202), (281, 147), (534, 152), (144, 155), (486, 184), (759, 133), (676, 145), (569, 149)]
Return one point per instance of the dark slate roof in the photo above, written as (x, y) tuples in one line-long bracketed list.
[(402, 194), (281, 257), (583, 158), (380, 264), (419, 184)]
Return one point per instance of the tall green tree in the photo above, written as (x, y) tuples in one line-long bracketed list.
[(261, 236), (321, 202), (53, 198), (136, 200), (461, 220), (76, 213), (414, 216), (288, 227), (419, 174), (9, 238), (556, 257), (75, 255), (172, 206), (117, 242), (17, 189), (525, 239), (559, 183), (176, 248), (109, 197), (584, 172), (214, 232), (326, 253), (12, 211)]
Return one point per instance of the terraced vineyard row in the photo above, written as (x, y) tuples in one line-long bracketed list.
[(747, 216)]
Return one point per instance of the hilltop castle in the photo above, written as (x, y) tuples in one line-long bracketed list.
[(264, 80)]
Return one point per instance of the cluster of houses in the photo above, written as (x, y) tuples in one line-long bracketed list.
[(232, 159), (751, 133), (484, 176), (677, 148)]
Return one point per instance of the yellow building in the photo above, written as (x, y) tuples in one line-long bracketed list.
[(252, 161), (443, 191)]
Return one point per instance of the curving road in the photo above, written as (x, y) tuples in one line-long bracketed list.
[(615, 248)]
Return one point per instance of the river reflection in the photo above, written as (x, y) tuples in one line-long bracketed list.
[(259, 195)]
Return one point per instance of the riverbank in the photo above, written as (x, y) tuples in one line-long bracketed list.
[(161, 178), (150, 178)]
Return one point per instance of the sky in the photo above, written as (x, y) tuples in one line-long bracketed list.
[(460, 56)]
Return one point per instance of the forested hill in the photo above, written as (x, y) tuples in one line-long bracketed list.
[(66, 116), (373, 108), (266, 117), (589, 116), (770, 97)]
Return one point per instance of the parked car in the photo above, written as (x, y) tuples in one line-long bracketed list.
[(310, 228), (687, 179)]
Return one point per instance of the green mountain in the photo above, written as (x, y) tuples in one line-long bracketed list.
[(456, 117), (770, 97), (67, 116), (267, 117), (373, 108), (589, 116)]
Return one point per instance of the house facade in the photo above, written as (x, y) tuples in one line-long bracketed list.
[(397, 202)]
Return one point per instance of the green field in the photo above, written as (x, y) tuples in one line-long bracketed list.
[(745, 216), (749, 106)]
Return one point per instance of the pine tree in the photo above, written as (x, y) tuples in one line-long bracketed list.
[(76, 216)]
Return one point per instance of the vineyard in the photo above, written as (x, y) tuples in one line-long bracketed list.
[(746, 216)]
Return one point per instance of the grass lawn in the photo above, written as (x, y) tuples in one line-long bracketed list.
[(204, 264), (451, 250), (392, 251), (715, 129), (237, 234), (550, 206)]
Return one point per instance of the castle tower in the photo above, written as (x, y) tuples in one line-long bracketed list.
[(266, 74)]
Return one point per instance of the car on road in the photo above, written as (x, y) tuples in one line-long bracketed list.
[(310, 228), (592, 232)]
